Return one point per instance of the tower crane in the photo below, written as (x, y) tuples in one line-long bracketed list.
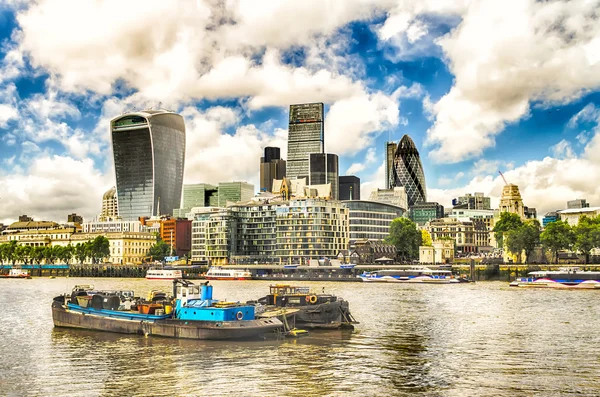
[(502, 175)]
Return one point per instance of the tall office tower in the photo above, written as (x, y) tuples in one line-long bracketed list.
[(323, 169), (271, 167), (149, 156), (409, 171), (305, 136), (109, 205), (349, 187), (390, 153), (234, 192)]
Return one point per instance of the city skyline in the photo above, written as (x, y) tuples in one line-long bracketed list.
[(477, 89)]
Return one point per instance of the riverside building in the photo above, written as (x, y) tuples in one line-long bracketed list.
[(369, 220), (149, 155)]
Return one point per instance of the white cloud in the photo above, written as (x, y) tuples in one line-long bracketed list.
[(504, 56), (213, 156), (562, 149), (370, 158), (51, 188), (372, 182)]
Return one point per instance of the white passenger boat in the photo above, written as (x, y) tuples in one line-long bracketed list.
[(220, 273), (163, 274), (413, 275), (571, 278)]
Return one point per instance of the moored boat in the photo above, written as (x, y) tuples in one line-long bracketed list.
[(16, 273), (194, 314), (220, 273), (412, 275), (311, 310), (570, 278), (163, 274)]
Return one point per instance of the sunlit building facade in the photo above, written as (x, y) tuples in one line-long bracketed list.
[(305, 136), (149, 157)]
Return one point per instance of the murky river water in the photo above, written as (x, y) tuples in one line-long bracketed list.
[(482, 339)]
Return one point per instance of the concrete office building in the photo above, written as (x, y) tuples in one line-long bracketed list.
[(579, 203), (323, 169), (396, 196), (271, 167), (110, 209), (305, 136), (472, 202), (349, 187), (421, 213), (390, 154), (149, 158)]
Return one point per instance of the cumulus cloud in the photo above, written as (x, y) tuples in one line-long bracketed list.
[(213, 155), (51, 188), (370, 158), (505, 56)]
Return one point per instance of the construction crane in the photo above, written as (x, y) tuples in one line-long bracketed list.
[(502, 175)]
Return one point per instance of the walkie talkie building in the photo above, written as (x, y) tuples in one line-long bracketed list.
[(149, 156), (408, 171)]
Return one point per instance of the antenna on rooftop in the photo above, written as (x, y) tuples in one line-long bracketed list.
[(502, 175)]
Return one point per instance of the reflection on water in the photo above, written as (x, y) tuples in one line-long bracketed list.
[(482, 339)]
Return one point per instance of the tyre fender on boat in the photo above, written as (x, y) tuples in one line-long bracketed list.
[(239, 315), (307, 298), (313, 299)]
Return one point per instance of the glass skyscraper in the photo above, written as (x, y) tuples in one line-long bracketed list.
[(305, 136), (408, 171), (149, 155), (323, 169)]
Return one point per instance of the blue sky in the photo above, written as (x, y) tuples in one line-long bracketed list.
[(480, 86)]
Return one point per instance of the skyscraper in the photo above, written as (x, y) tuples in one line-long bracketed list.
[(271, 167), (390, 153), (305, 136), (408, 171), (149, 156), (349, 187), (323, 169), (109, 205)]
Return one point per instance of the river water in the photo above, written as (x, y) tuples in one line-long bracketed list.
[(481, 339)]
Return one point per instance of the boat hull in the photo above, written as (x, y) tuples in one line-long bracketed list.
[(547, 283), (415, 280), (331, 315), (170, 328), (227, 278)]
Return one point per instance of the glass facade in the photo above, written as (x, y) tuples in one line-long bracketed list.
[(149, 156), (421, 213), (349, 188), (390, 153), (370, 220), (305, 136), (323, 169), (234, 192), (197, 195), (408, 171)]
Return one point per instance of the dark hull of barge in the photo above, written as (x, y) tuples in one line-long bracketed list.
[(169, 328)]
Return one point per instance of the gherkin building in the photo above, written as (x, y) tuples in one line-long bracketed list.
[(408, 171)]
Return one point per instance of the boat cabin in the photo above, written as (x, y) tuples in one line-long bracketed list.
[(290, 295)]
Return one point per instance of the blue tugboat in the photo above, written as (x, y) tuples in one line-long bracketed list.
[(194, 315)]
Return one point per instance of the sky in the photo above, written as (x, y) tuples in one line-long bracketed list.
[(480, 86)]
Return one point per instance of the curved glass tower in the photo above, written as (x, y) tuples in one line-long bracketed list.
[(149, 155), (408, 171)]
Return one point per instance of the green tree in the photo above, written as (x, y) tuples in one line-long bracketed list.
[(159, 250), (38, 254), (507, 222), (81, 252), (524, 238), (99, 249), (406, 237), (65, 253), (587, 235), (51, 253), (557, 236), (9, 250)]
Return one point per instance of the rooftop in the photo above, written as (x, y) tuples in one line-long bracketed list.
[(578, 210)]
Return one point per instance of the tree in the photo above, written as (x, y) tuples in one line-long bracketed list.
[(65, 253), (587, 235), (524, 238), (99, 249), (159, 250), (405, 236), (507, 222), (426, 238), (37, 254), (557, 236), (81, 252)]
